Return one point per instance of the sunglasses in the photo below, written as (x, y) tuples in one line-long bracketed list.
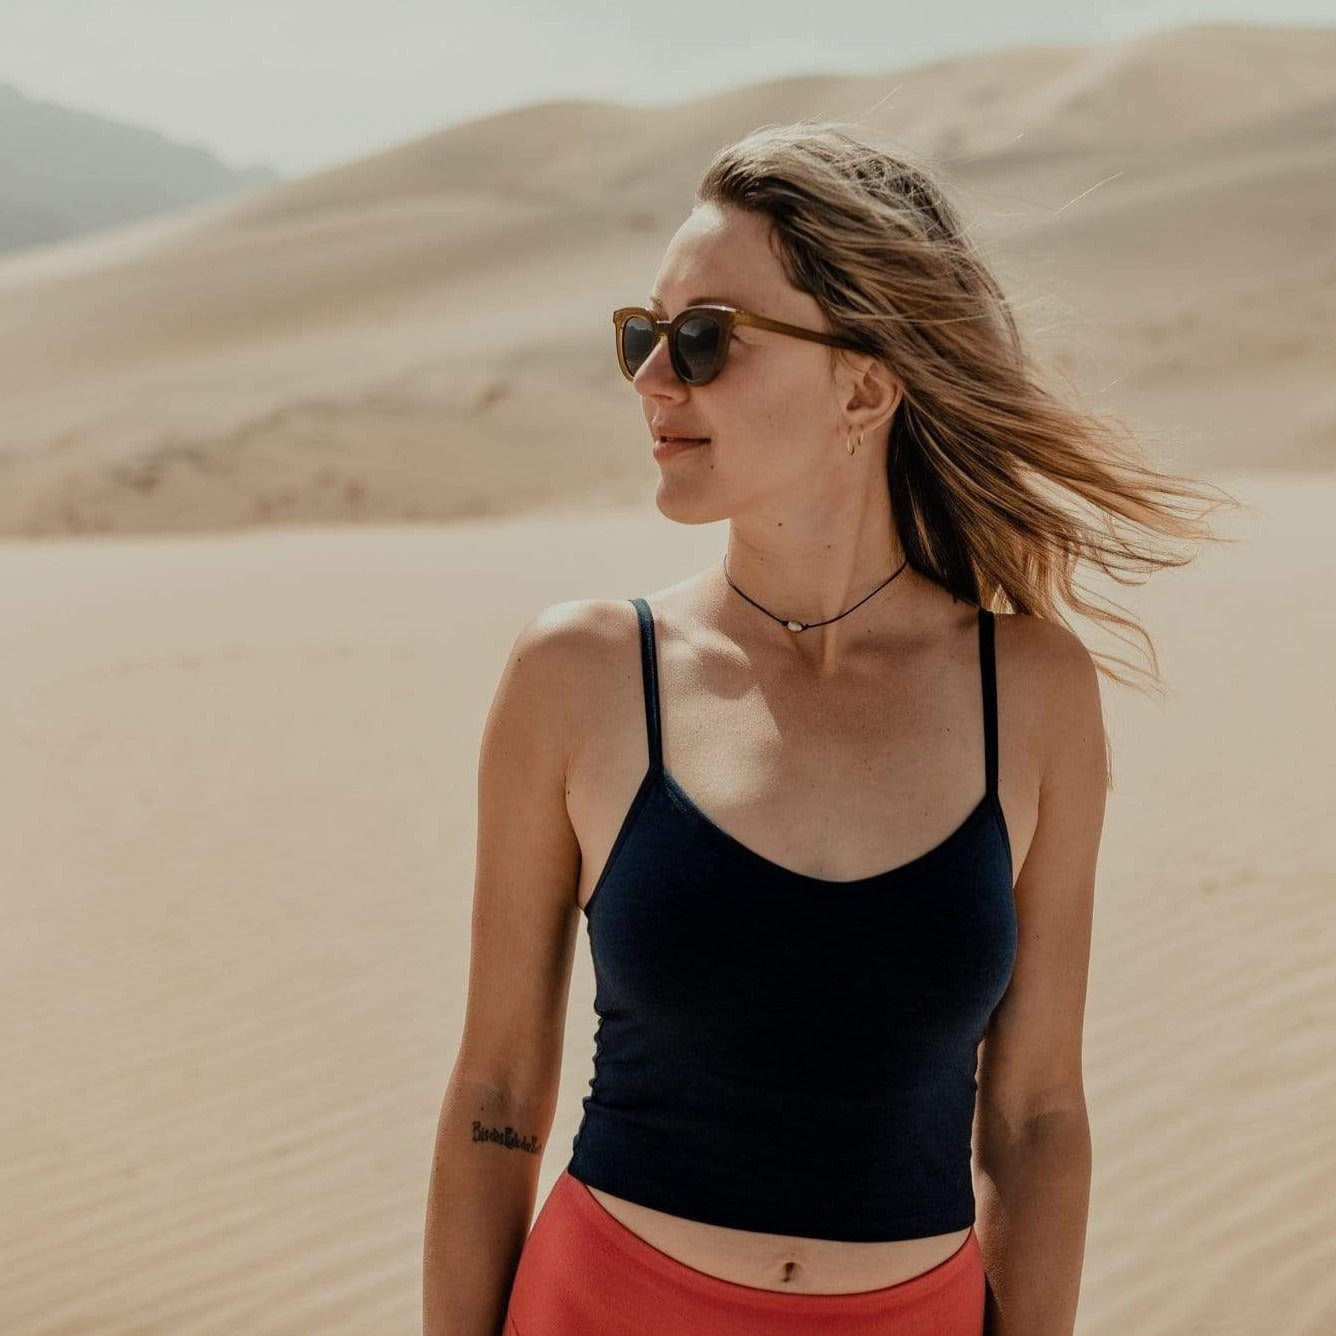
[(699, 338)]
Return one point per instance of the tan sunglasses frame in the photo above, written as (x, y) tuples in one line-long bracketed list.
[(730, 316)]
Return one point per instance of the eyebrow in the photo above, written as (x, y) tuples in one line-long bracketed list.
[(695, 301)]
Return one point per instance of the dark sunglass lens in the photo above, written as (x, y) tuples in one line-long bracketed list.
[(637, 341), (698, 344)]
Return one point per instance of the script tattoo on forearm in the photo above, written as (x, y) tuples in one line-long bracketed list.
[(508, 1137)]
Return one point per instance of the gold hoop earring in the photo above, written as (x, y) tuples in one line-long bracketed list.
[(849, 441)]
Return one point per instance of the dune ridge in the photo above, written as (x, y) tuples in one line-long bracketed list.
[(417, 334)]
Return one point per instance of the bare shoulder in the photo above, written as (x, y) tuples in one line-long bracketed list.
[(574, 627), (558, 655), (1044, 644), (1046, 672)]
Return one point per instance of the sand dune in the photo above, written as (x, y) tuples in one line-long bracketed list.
[(238, 827), (418, 334), (243, 719)]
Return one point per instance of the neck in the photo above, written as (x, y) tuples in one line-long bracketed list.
[(851, 594)]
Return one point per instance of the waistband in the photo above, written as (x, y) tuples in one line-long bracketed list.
[(962, 1271)]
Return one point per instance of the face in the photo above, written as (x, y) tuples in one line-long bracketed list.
[(775, 413)]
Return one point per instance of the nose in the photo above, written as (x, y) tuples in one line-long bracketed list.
[(656, 373)]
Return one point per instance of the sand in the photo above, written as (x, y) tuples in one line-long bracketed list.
[(238, 822), (243, 704)]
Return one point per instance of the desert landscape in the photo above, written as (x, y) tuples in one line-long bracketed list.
[(283, 477)]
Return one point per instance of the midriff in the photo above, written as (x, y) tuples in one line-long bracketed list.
[(777, 1261)]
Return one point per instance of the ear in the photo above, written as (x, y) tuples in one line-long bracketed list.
[(868, 388)]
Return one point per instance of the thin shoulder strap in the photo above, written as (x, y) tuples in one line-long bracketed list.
[(988, 670), (649, 671)]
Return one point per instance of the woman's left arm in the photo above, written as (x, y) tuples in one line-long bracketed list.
[(1031, 1132)]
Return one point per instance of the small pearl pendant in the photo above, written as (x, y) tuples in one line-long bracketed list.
[(794, 626)]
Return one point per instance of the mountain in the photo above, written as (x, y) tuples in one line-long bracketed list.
[(65, 172)]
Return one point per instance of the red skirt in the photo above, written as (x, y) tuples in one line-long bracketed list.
[(583, 1273)]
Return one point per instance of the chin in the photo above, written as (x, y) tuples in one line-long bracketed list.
[(680, 506)]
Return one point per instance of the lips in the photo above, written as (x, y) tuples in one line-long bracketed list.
[(659, 433), (663, 447)]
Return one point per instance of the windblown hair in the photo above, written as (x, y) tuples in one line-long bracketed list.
[(998, 488)]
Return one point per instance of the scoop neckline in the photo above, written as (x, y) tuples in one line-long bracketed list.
[(687, 804)]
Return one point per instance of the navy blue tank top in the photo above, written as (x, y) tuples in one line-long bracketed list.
[(783, 1053)]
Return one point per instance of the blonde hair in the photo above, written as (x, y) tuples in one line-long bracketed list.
[(999, 489)]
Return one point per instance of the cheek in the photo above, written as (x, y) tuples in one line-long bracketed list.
[(786, 409), (775, 406)]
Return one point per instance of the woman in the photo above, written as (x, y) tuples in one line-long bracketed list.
[(840, 993)]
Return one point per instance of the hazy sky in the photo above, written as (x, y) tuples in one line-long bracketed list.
[(302, 84)]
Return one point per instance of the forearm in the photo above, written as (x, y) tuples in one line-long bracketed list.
[(479, 1203), (1032, 1198)]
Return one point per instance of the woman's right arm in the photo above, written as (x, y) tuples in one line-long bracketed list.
[(501, 1097)]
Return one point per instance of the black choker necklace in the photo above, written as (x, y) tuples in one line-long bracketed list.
[(803, 626)]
